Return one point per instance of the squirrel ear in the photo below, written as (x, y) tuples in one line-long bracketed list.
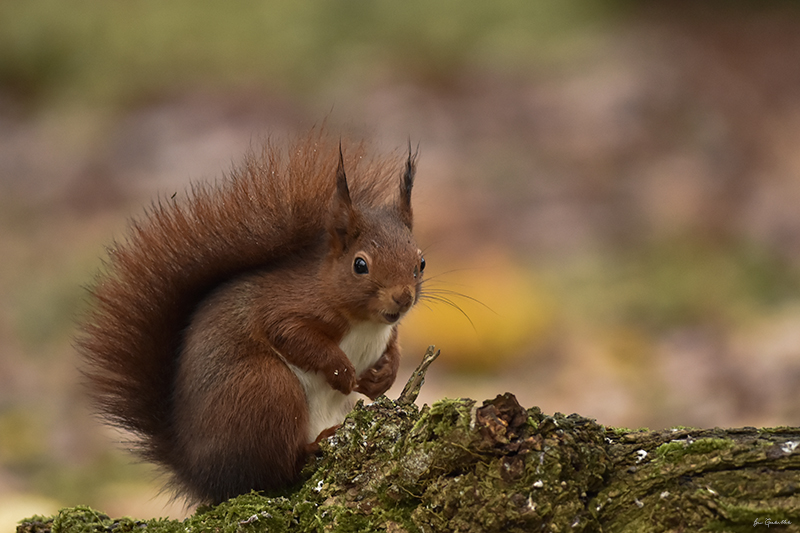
[(406, 184), (343, 223)]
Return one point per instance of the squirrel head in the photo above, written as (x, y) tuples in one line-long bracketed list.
[(373, 257)]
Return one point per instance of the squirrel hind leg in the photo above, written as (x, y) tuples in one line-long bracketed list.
[(247, 431), (312, 448)]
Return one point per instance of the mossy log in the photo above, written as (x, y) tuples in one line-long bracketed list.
[(462, 466)]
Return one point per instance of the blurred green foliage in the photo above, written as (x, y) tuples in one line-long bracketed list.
[(113, 52), (675, 283)]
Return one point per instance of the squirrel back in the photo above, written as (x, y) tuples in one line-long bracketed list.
[(261, 292)]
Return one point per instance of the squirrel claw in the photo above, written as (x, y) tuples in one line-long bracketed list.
[(342, 379)]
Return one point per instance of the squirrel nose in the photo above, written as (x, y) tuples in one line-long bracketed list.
[(403, 300)]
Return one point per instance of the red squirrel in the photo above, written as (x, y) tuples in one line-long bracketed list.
[(230, 332)]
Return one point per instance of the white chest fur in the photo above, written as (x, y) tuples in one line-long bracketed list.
[(363, 344)]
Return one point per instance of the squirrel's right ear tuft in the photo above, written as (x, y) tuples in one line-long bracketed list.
[(406, 184)]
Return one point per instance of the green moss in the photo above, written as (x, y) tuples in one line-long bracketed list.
[(87, 520), (675, 450), (457, 465), (703, 480), (248, 512), (36, 524), (704, 446), (495, 467)]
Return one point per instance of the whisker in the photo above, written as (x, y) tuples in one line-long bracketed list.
[(429, 278), (424, 303), (457, 308), (447, 301), (440, 291)]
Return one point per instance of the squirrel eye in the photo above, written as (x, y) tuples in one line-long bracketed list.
[(422, 264), (360, 266)]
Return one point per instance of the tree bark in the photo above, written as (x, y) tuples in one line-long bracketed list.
[(497, 467)]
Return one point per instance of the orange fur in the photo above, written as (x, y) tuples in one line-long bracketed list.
[(220, 318)]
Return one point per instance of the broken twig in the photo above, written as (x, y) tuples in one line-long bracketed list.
[(412, 388)]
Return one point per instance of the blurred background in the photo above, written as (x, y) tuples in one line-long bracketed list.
[(616, 183)]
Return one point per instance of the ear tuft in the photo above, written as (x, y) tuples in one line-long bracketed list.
[(406, 184), (342, 190), (343, 229)]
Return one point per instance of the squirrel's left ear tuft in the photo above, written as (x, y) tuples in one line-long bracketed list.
[(406, 184), (342, 190), (344, 223)]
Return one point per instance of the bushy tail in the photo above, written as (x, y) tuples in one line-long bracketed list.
[(276, 204)]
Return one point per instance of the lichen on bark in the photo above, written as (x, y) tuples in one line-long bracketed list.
[(459, 466), (462, 466), (693, 479)]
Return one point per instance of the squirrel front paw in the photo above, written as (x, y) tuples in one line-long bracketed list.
[(341, 377), (376, 380)]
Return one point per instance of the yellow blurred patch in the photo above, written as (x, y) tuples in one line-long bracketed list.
[(499, 312), (17, 506)]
